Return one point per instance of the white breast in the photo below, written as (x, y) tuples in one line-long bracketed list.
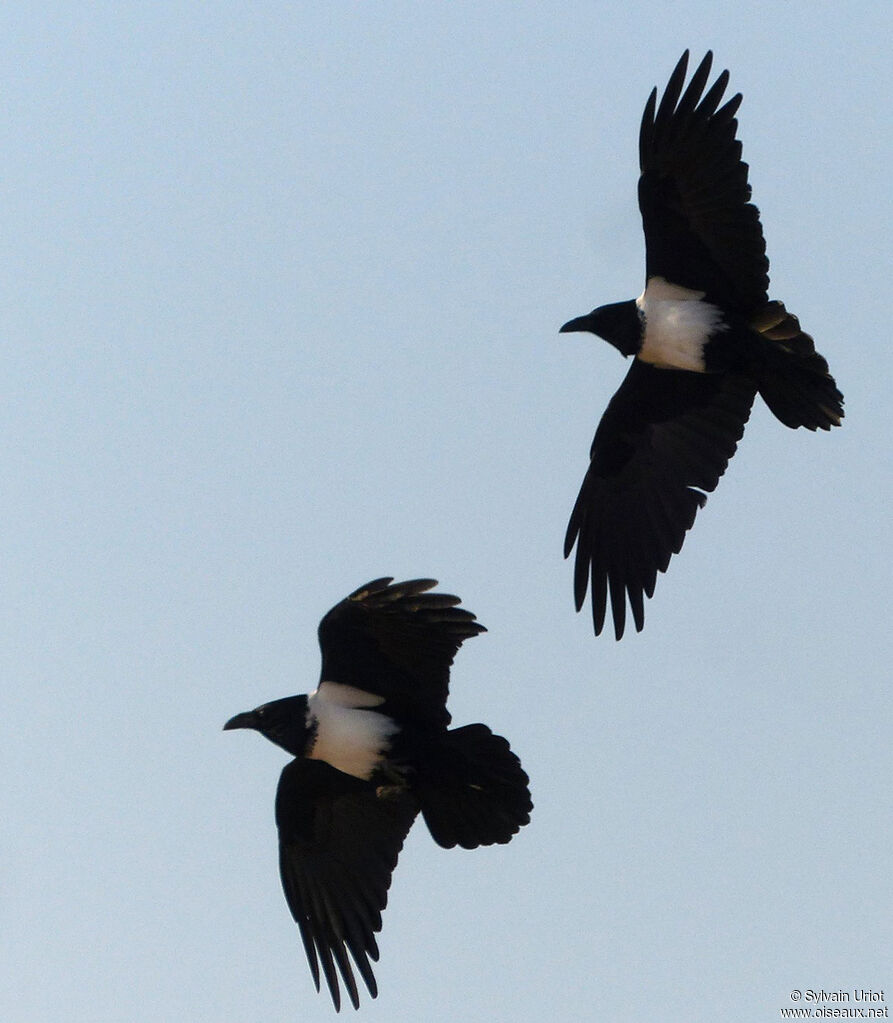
[(678, 323), (350, 735)]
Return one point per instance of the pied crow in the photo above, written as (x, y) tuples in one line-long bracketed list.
[(704, 337), (372, 749)]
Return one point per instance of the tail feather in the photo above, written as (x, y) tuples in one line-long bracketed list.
[(473, 790), (794, 379)]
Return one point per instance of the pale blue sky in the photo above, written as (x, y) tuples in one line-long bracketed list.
[(282, 287)]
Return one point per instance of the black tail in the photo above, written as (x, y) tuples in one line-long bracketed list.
[(793, 378), (472, 789)]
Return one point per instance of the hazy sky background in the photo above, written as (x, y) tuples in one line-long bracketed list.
[(281, 293)]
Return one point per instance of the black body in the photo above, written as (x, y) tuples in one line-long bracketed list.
[(669, 431), (380, 712)]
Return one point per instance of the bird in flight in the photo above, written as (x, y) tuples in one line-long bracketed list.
[(704, 338), (372, 749)]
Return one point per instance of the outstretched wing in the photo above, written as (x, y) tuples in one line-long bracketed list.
[(665, 438), (701, 230), (397, 641), (339, 839)]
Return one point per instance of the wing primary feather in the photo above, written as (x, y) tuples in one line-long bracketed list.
[(336, 943), (695, 87), (372, 587), (646, 129), (618, 601), (707, 106), (598, 595), (672, 91)]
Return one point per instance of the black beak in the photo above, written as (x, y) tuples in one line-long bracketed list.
[(246, 720), (580, 323)]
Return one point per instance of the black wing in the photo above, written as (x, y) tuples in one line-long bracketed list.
[(701, 230), (397, 641), (339, 839), (666, 437)]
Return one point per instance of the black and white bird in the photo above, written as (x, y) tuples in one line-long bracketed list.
[(372, 749), (704, 338)]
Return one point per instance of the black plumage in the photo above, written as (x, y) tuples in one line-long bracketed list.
[(372, 750), (705, 339)]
